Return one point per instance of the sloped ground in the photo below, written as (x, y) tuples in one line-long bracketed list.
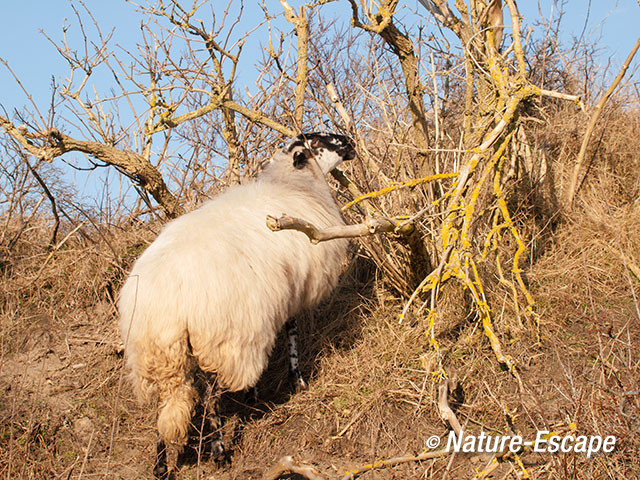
[(65, 411)]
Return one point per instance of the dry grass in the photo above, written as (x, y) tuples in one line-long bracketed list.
[(66, 413)]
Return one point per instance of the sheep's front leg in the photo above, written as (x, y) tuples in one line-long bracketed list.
[(294, 367)]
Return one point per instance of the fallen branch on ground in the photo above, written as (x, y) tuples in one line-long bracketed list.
[(287, 465), (446, 413), (351, 474)]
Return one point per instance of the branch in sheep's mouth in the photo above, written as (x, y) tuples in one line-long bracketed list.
[(316, 235)]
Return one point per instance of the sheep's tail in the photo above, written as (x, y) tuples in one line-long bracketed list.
[(167, 371)]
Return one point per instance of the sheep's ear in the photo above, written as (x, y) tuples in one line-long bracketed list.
[(315, 143), (300, 158)]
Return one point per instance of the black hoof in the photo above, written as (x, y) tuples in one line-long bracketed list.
[(218, 453), (163, 473), (298, 384)]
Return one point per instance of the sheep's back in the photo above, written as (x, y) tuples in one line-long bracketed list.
[(220, 278)]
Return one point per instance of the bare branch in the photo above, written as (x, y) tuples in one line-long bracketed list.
[(301, 26), (20, 135), (288, 465), (381, 23), (573, 183), (253, 115), (448, 383), (335, 100), (390, 462), (371, 226), (442, 13), (56, 143), (52, 200)]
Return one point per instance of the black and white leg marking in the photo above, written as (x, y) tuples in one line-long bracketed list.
[(294, 367), (212, 413)]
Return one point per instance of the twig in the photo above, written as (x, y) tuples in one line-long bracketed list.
[(86, 454), (396, 185), (55, 249), (517, 43), (351, 474), (363, 152), (348, 425), (335, 101), (438, 276), (55, 144), (301, 26), (52, 200), (25, 223), (316, 235), (490, 466), (253, 115), (626, 259), (563, 96)]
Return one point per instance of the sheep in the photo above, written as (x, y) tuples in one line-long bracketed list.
[(211, 293)]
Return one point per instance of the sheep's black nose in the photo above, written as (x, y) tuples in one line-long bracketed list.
[(349, 152), (342, 145)]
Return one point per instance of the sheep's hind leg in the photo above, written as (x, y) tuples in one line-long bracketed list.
[(160, 468), (177, 395), (212, 414), (294, 367)]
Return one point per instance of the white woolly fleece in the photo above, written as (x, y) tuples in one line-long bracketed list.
[(217, 285)]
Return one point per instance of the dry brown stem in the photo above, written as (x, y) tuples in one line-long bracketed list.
[(390, 462), (496, 21), (337, 104), (301, 26), (52, 201), (381, 23)]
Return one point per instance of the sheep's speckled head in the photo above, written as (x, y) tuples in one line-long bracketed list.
[(327, 149)]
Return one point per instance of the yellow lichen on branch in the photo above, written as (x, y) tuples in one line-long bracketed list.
[(395, 186)]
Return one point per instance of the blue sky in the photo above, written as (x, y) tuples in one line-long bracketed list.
[(31, 56), (34, 60)]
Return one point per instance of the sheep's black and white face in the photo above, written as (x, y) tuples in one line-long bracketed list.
[(326, 149)]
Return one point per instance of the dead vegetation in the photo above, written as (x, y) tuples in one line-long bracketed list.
[(488, 271)]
